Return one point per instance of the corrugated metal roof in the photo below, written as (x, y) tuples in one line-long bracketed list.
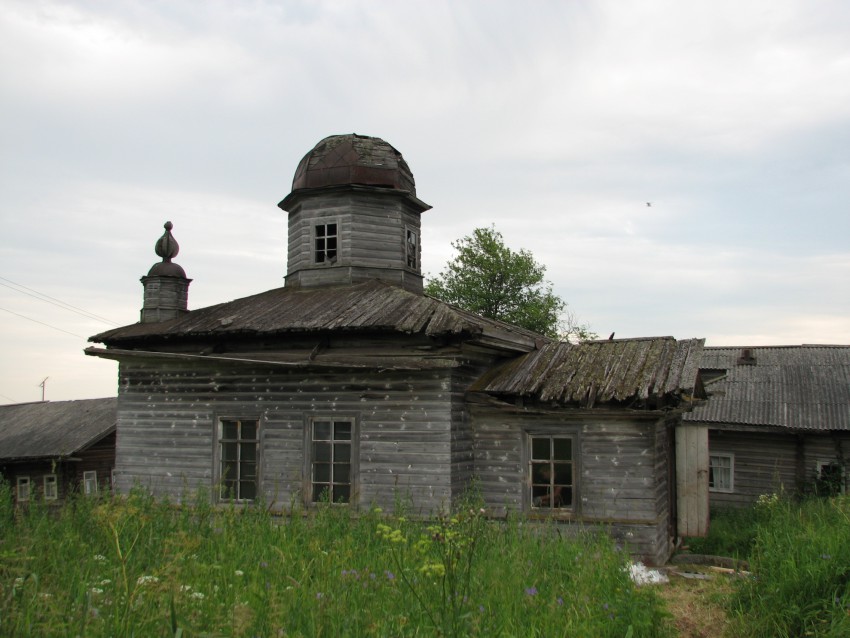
[(800, 387), (54, 429), (622, 370), (367, 307)]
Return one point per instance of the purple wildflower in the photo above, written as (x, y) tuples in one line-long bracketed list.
[(560, 601), (531, 591)]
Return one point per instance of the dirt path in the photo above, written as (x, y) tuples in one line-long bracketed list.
[(697, 602)]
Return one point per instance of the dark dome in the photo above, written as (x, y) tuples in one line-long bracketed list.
[(353, 159), (167, 269)]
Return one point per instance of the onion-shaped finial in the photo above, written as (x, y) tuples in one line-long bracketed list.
[(167, 247)]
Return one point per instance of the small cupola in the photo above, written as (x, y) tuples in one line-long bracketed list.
[(353, 216), (166, 285)]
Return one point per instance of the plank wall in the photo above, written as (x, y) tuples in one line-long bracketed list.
[(773, 462), (621, 469), (167, 415), (371, 238)]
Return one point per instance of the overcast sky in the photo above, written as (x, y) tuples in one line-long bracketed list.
[(555, 121)]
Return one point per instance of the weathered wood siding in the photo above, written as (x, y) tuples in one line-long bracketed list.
[(371, 238), (621, 472), (100, 458), (692, 480), (69, 473), (168, 412), (771, 462)]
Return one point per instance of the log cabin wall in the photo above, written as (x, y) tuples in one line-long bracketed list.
[(168, 416), (773, 462), (621, 477), (371, 241), (100, 458)]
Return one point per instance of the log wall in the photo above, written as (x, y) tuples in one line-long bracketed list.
[(168, 412), (772, 462), (621, 472)]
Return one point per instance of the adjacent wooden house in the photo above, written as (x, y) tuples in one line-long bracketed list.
[(350, 385), (778, 420), (52, 448)]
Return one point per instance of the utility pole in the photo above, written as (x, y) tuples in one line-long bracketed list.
[(43, 386)]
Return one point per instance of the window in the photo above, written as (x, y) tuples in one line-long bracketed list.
[(239, 443), (830, 478), (90, 483), (551, 471), (51, 487), (331, 445), (411, 247), (721, 472), (23, 488), (325, 243)]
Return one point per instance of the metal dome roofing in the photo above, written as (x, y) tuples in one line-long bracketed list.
[(354, 159)]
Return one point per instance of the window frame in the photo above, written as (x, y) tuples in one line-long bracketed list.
[(730, 489), (416, 252), (52, 493), (311, 499), (314, 239), (529, 462), (90, 486), (219, 486), (821, 463), (23, 489)]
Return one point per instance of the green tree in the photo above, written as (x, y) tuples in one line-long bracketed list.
[(488, 278)]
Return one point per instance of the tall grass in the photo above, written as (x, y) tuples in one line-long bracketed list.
[(800, 584), (732, 532), (139, 567)]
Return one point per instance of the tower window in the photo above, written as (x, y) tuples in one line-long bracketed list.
[(411, 247), (325, 244)]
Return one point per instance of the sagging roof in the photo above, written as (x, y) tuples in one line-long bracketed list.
[(54, 429), (370, 306), (651, 370), (798, 387)]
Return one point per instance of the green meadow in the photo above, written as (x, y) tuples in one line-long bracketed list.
[(136, 566)]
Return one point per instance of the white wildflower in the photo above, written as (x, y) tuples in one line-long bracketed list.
[(185, 588), (144, 580), (197, 595), (100, 558), (105, 581), (96, 590), (239, 572)]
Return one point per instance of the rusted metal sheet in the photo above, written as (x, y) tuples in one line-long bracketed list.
[(54, 428), (586, 374), (353, 159), (795, 387), (370, 306)]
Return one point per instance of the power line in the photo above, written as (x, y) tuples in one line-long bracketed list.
[(11, 312), (53, 301)]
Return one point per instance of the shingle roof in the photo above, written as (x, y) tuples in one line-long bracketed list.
[(371, 306), (596, 372), (54, 429), (799, 387)]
